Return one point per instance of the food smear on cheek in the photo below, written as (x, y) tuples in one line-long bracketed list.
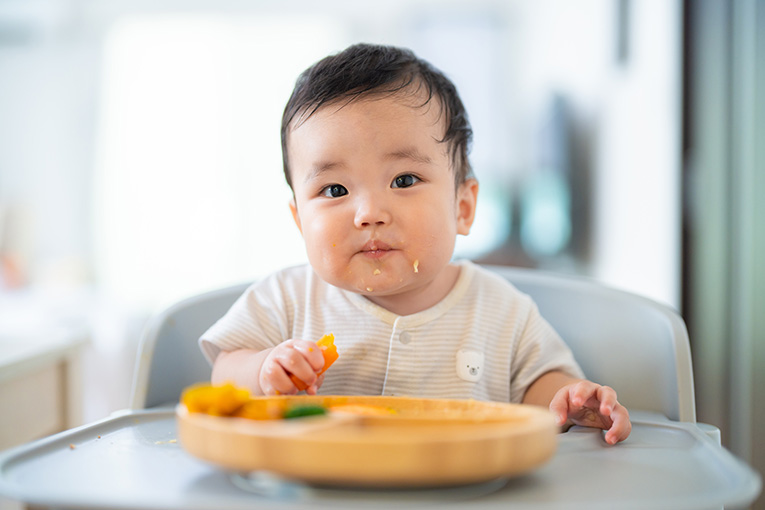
[(416, 266)]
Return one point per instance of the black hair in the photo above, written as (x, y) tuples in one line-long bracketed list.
[(364, 69)]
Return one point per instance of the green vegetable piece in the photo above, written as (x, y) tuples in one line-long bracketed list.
[(303, 411)]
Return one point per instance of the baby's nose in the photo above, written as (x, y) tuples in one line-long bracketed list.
[(371, 211)]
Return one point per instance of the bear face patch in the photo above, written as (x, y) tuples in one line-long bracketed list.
[(469, 365)]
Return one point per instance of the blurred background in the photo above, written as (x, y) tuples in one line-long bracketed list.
[(140, 163)]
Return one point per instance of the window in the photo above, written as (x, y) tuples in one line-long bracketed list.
[(189, 181)]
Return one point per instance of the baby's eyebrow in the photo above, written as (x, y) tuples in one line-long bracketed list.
[(409, 153), (321, 167)]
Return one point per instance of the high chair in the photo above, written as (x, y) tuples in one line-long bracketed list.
[(136, 458), (633, 344)]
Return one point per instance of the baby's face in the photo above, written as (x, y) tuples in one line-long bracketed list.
[(375, 198)]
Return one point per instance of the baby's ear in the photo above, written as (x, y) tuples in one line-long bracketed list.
[(467, 198), (295, 215)]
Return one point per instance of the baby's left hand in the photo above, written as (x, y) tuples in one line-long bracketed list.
[(589, 404)]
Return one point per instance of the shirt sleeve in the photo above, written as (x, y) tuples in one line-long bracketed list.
[(257, 320), (539, 350)]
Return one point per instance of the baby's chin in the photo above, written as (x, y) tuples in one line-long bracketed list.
[(378, 288), (369, 285), (397, 273)]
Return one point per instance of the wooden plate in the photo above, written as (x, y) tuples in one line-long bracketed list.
[(422, 442)]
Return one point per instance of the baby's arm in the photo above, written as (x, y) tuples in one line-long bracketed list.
[(581, 402), (267, 372)]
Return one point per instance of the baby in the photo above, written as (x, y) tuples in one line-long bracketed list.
[(375, 147)]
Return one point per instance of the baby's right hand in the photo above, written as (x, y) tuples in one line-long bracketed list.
[(302, 358)]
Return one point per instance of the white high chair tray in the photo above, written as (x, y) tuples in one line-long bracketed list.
[(133, 460)]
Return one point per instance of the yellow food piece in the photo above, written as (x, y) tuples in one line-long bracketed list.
[(223, 400), (229, 400)]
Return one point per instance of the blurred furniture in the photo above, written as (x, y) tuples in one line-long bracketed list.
[(631, 343), (635, 345), (169, 358), (40, 384)]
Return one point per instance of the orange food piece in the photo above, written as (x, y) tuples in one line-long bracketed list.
[(328, 350), (228, 400), (261, 410), (223, 400)]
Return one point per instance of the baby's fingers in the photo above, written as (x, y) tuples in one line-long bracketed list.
[(311, 352), (295, 363), (285, 360), (607, 397), (274, 380), (314, 388), (581, 392), (621, 427), (559, 406)]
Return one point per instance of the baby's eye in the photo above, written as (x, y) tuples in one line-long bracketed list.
[(404, 181), (334, 191)]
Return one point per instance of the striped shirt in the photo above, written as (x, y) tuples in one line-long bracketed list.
[(485, 340)]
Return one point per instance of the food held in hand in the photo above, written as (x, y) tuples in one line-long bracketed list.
[(328, 350)]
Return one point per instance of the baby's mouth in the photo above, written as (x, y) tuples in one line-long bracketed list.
[(375, 249)]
